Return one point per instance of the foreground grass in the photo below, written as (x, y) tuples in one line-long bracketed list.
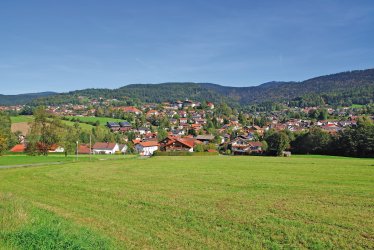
[(9, 160), (23, 159), (191, 202)]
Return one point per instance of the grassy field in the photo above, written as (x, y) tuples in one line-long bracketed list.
[(22, 159), (190, 202), (20, 123), (21, 118), (83, 126), (102, 120), (357, 106)]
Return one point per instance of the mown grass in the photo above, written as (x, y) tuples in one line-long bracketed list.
[(357, 106), (23, 159), (84, 126), (27, 227), (21, 118), (9, 160), (197, 202), (102, 120)]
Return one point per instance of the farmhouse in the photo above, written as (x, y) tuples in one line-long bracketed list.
[(174, 143), (123, 148), (152, 113), (143, 130), (205, 138), (105, 148), (84, 149), (56, 149), (245, 146), (146, 148), (131, 109)]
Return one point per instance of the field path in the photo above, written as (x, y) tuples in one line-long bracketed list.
[(32, 165)]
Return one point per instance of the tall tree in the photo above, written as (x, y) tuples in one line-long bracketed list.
[(277, 142), (44, 132)]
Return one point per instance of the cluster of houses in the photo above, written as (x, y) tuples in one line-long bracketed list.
[(147, 146), (188, 126)]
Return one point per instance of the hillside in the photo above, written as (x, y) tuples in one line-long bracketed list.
[(22, 98), (357, 86), (343, 88)]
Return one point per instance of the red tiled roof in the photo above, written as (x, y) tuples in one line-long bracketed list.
[(149, 143), (104, 145), (212, 150), (136, 141), (130, 109), (53, 147), (256, 144), (84, 149), (19, 148)]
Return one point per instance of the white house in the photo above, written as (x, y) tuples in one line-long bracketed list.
[(147, 147), (105, 148), (123, 148), (56, 149), (143, 130)]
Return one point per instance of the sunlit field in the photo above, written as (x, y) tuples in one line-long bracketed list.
[(224, 202)]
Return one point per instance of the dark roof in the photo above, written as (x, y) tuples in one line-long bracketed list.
[(125, 124), (112, 124), (205, 137), (143, 128)]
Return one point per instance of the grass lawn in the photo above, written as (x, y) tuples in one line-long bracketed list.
[(22, 159), (102, 120), (190, 202), (83, 126), (22, 118), (357, 106)]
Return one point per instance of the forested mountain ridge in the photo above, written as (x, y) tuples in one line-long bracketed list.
[(356, 85), (22, 98), (337, 89)]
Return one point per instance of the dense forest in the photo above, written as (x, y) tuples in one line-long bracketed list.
[(22, 98), (342, 89)]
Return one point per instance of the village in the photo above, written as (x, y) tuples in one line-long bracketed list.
[(188, 126)]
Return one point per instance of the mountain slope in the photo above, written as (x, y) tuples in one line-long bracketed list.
[(336, 89), (346, 84), (22, 98)]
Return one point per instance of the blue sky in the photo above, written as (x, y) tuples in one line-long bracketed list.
[(67, 45)]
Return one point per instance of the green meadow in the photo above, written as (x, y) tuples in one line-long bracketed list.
[(84, 126), (22, 159), (21, 118), (197, 202), (102, 120)]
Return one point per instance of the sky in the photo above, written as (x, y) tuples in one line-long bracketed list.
[(75, 44)]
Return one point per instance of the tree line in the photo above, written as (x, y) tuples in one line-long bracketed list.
[(357, 141)]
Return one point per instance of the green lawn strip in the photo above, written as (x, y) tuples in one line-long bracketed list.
[(210, 202), (21, 118), (83, 126), (102, 120), (23, 159), (10, 160), (24, 226)]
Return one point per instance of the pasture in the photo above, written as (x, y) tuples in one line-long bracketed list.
[(22, 118), (102, 120), (190, 202)]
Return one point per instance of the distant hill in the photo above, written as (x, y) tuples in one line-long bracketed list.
[(337, 89), (22, 98), (356, 86)]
